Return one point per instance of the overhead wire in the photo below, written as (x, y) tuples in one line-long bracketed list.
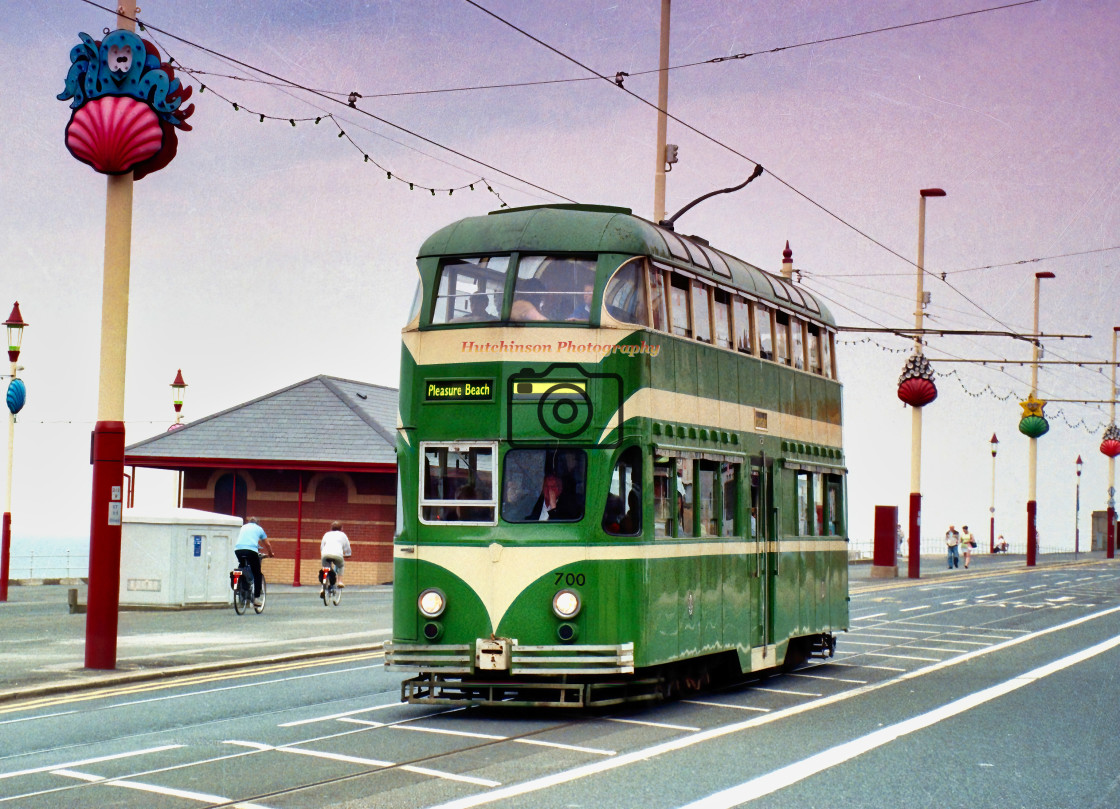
[(328, 97)]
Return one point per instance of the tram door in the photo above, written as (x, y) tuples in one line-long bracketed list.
[(764, 520)]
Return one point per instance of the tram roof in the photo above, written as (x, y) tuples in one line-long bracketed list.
[(605, 229)]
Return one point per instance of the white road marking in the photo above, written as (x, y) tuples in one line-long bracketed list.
[(800, 770), (85, 761), (576, 748), (328, 717), (158, 790), (647, 753), (37, 716), (868, 617), (785, 691), (653, 724), (446, 732), (725, 705), (915, 609), (824, 677), (905, 657)]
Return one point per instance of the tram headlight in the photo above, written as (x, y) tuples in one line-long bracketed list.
[(566, 604), (431, 603)]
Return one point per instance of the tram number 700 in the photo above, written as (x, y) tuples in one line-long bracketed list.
[(570, 579)]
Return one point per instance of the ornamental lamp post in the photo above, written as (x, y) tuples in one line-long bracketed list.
[(177, 389), (1034, 409), (992, 510), (16, 396), (916, 389), (1077, 511)]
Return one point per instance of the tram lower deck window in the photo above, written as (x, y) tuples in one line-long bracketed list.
[(544, 485), (457, 483)]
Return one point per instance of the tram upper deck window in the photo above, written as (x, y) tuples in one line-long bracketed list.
[(554, 288), (721, 315), (470, 290), (781, 337), (625, 294), (544, 485), (814, 348), (826, 354), (678, 292), (417, 301), (701, 312), (764, 317), (797, 343), (743, 340), (457, 483), (657, 299)]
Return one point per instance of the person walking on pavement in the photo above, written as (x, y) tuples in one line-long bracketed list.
[(251, 543), (952, 541), (334, 547), (968, 542)]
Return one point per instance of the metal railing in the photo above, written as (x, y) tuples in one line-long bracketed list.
[(33, 565), (863, 550)]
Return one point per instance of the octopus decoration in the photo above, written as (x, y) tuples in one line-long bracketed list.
[(1034, 423), (1110, 443), (127, 105), (915, 385)]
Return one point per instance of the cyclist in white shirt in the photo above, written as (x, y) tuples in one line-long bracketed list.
[(333, 550)]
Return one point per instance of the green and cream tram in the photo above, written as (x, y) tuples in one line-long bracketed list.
[(620, 460)]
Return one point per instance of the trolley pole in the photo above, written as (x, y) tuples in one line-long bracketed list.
[(1032, 475), (662, 119), (107, 450), (915, 522)]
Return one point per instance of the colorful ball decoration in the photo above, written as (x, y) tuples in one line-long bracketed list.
[(1034, 426), (915, 385), (127, 105), (1110, 445), (17, 396)]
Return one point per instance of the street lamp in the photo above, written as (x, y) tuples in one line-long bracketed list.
[(992, 510), (915, 521), (1077, 512), (177, 388), (15, 398), (1032, 478)]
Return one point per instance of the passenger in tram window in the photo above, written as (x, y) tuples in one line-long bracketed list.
[(529, 301), (553, 504)]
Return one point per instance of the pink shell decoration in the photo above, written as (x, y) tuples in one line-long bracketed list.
[(917, 392), (113, 133)]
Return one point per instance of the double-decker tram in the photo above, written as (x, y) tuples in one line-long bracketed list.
[(620, 463)]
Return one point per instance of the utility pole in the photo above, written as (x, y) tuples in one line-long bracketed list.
[(662, 118)]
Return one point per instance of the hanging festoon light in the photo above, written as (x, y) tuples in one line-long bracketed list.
[(1033, 424), (915, 385), (1110, 442), (127, 105)]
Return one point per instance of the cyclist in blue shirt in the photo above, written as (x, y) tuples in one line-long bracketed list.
[(251, 543)]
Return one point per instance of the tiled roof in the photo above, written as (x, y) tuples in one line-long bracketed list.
[(322, 421)]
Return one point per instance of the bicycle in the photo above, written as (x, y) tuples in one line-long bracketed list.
[(243, 591), (330, 590)]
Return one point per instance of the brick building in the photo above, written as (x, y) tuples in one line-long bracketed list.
[(297, 458)]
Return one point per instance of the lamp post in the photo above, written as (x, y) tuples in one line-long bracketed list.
[(1032, 476), (1110, 533), (992, 510), (177, 389), (15, 399), (915, 521), (1077, 512)]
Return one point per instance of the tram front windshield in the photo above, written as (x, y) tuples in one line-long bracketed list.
[(544, 485)]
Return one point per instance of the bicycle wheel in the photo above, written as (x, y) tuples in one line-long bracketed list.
[(336, 595), (325, 594), (264, 594), (240, 597)]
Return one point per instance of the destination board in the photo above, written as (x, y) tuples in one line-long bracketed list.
[(458, 390)]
